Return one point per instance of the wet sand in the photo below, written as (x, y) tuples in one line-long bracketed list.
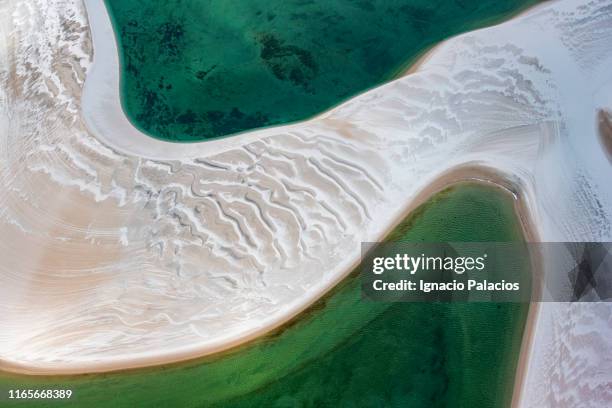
[(605, 132)]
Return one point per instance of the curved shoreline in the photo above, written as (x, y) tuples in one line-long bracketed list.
[(463, 174), (461, 20), (544, 143), (102, 106), (102, 103)]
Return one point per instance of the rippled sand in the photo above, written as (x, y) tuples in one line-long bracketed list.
[(120, 250)]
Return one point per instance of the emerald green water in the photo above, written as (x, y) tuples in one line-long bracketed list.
[(347, 352), (200, 69)]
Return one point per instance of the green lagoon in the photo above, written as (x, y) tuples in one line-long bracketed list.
[(345, 351), (200, 69)]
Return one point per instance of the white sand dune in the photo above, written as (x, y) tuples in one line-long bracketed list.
[(120, 250)]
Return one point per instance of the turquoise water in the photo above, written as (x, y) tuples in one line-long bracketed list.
[(200, 69), (344, 351)]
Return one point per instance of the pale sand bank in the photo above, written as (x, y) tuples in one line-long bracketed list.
[(518, 98), (425, 57), (453, 177)]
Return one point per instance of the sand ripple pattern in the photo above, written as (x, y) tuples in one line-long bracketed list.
[(111, 257)]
